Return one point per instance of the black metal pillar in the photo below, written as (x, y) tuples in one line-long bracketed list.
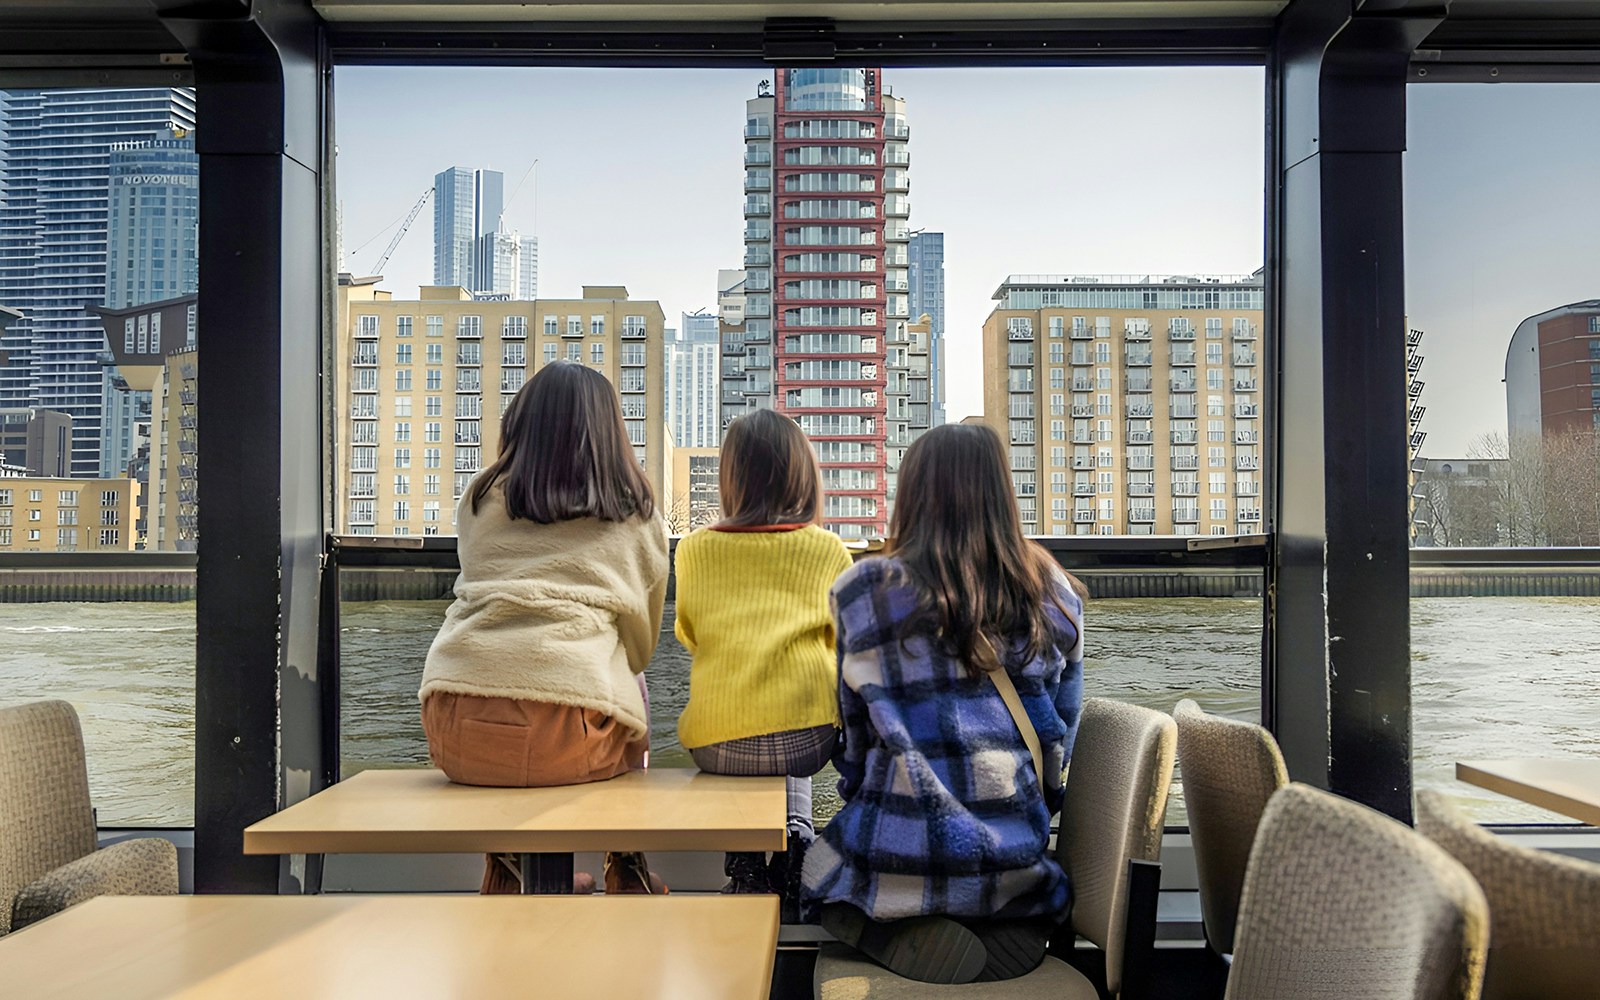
[(259, 68), (1339, 696)]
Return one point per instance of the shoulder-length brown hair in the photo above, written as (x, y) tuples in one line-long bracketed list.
[(564, 452), (983, 588), (768, 473)]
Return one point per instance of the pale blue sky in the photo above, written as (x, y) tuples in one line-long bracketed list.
[(1068, 170)]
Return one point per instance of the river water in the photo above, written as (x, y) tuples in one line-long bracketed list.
[(1492, 677)]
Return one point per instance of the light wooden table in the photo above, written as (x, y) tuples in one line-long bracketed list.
[(433, 947), (1570, 787), (419, 811)]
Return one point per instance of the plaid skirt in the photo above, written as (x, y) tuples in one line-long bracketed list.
[(798, 753)]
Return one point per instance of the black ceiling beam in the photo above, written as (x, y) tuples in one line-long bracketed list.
[(809, 41)]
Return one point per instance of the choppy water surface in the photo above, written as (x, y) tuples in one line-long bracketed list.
[(1492, 677)]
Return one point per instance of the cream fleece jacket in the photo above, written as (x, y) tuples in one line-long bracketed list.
[(563, 613)]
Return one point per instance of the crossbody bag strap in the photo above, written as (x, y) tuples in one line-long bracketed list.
[(1030, 736)]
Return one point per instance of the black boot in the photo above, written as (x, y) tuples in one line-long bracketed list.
[(747, 873), (784, 873)]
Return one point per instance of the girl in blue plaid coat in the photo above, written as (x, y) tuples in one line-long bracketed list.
[(938, 864)]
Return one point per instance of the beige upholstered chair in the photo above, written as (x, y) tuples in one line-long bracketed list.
[(1342, 901), (1229, 770), (1544, 909), (48, 860), (1116, 801)]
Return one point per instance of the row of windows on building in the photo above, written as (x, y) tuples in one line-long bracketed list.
[(66, 538), (66, 516), (470, 380), (1179, 328), (511, 327), (513, 355)]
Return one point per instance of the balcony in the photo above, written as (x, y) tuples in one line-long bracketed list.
[(1247, 462), (1182, 358), (1141, 489), (1244, 385), (1139, 463), (1141, 411), (757, 207), (1185, 488), (364, 357), (1186, 410), (1083, 385), (1083, 461), (1081, 333), (1185, 463), (896, 156), (1083, 489), (757, 257), (1246, 489), (1186, 515), (1184, 385), (469, 359), (1139, 359), (1245, 410), (758, 131), (1181, 334), (1138, 384), (1244, 358), (1185, 437), (1141, 437), (757, 156), (1019, 333), (1142, 515), (1083, 409), (757, 234), (1249, 515), (1083, 437), (1138, 334), (1246, 437), (1244, 331)]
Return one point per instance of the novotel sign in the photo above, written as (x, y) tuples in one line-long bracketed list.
[(155, 179)]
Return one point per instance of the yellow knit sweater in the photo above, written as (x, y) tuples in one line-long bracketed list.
[(753, 610)]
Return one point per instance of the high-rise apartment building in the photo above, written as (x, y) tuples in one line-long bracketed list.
[(152, 237), (826, 292), (1553, 374), (528, 268), (926, 253), (1131, 405), (42, 514), (693, 355), (56, 168), (421, 385)]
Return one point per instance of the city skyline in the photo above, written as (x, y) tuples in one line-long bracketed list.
[(1493, 235)]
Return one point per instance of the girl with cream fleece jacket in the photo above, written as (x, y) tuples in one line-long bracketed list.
[(536, 675)]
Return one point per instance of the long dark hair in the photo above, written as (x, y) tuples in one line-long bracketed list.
[(768, 473), (564, 452), (982, 587)]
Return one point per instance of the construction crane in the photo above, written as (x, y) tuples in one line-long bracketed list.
[(401, 233)]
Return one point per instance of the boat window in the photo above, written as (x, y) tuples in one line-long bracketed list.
[(1502, 232)]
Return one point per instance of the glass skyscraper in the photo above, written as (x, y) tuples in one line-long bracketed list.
[(927, 299), (151, 256), (692, 376), (55, 202)]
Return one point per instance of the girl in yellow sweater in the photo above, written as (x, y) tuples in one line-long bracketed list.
[(752, 608)]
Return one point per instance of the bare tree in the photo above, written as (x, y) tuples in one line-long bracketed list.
[(678, 513), (1571, 484)]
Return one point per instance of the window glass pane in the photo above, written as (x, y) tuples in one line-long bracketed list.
[(1504, 406), (99, 221), (1093, 362)]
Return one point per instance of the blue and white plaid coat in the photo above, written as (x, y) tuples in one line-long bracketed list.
[(943, 812)]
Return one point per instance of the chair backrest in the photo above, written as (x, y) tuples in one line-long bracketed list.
[(1340, 900), (1116, 801), (1229, 770), (45, 817), (1544, 909)]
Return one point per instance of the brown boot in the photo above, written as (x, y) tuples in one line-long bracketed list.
[(629, 873)]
